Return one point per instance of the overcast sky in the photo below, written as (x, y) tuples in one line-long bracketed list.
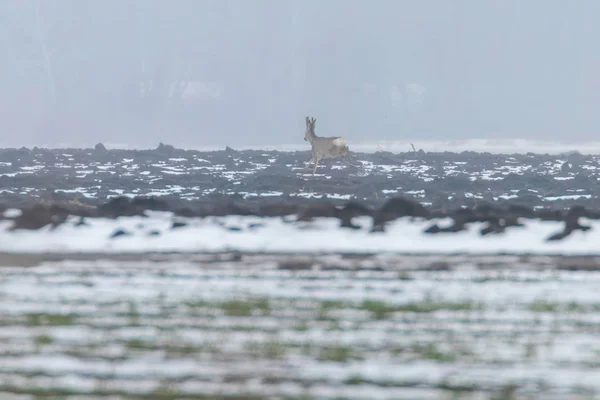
[(221, 72)]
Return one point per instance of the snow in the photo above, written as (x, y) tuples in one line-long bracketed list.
[(284, 235), (99, 344)]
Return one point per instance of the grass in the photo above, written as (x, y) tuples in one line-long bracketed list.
[(381, 310), (545, 306), (454, 391), (165, 391), (137, 344), (38, 319), (272, 349), (431, 352), (302, 326), (355, 380), (507, 392), (336, 353), (405, 276), (173, 350), (328, 305), (235, 307), (243, 308), (432, 340), (530, 351), (134, 314), (42, 340), (198, 303), (378, 309)]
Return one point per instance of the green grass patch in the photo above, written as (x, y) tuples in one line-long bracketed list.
[(542, 306), (185, 350), (244, 308), (336, 353), (42, 340), (272, 349), (431, 352), (39, 319), (166, 391), (332, 304), (138, 344), (198, 303), (235, 307), (302, 326), (381, 310), (355, 380), (133, 313), (328, 305), (405, 276)]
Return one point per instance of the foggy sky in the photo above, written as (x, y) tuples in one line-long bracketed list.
[(221, 72)]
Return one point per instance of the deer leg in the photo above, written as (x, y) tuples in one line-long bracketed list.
[(306, 164), (312, 160), (315, 168)]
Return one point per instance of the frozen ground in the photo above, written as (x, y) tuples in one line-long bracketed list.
[(155, 233), (436, 179), (300, 327), (246, 307)]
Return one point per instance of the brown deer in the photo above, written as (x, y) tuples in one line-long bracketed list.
[(323, 147)]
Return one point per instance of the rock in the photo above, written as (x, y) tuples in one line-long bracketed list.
[(39, 216), (350, 210), (319, 210), (457, 226), (178, 224), (165, 148), (118, 233), (571, 224), (401, 207), (100, 148), (398, 207), (151, 203), (494, 226), (255, 225), (119, 207)]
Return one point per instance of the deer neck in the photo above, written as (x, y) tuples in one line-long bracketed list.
[(311, 136)]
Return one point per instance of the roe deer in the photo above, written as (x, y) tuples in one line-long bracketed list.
[(323, 147)]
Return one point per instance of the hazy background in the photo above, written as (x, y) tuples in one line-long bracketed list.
[(213, 72)]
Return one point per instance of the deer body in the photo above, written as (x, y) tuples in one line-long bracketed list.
[(323, 147)]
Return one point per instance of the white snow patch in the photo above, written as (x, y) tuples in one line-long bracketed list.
[(277, 235)]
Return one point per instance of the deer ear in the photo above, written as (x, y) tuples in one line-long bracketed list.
[(313, 122), (307, 121)]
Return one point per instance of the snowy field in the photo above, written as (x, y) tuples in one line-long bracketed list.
[(237, 326), (437, 179), (155, 233), (168, 306)]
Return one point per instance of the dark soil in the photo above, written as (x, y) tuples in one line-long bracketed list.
[(437, 180), (50, 184)]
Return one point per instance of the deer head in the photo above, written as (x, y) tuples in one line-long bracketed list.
[(310, 129)]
